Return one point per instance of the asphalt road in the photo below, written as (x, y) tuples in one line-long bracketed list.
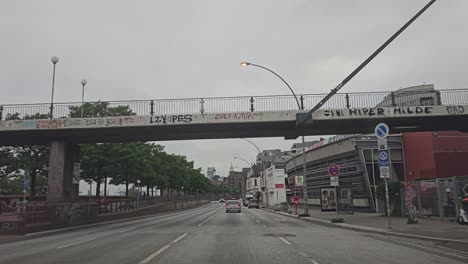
[(209, 235)]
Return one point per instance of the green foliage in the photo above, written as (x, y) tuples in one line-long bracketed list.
[(100, 109), (14, 161), (393, 190)]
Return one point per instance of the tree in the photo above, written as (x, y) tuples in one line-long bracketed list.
[(100, 109), (34, 158)]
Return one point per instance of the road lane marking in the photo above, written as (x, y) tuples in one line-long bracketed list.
[(209, 218), (276, 219), (285, 241), (179, 238), (256, 220), (264, 225), (161, 250), (308, 258), (76, 243), (126, 230)]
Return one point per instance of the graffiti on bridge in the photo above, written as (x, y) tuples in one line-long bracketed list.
[(8, 227)]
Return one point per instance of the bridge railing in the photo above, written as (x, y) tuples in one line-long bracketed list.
[(252, 103)]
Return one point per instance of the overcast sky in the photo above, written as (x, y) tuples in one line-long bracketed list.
[(175, 49)]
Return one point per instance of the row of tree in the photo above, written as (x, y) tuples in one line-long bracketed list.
[(123, 163)]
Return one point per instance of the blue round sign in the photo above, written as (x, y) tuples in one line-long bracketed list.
[(381, 130)]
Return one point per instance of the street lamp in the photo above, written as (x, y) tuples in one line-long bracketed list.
[(250, 164), (263, 163), (306, 209), (54, 60), (83, 83)]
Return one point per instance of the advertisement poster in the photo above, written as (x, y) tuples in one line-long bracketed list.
[(327, 199)]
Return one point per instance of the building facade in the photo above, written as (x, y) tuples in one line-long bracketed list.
[(210, 172), (357, 157)]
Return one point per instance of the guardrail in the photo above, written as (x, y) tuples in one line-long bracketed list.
[(253, 103)]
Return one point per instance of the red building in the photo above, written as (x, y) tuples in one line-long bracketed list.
[(440, 154)]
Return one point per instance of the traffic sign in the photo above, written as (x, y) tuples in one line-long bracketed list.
[(299, 181), (385, 172), (383, 158), (334, 170), (382, 143), (381, 130), (334, 181), (25, 184)]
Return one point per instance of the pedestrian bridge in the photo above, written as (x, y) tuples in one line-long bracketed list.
[(232, 125)]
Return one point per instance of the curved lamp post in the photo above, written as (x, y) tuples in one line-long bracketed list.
[(83, 83), (306, 209), (54, 60)]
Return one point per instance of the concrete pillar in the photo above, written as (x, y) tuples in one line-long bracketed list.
[(60, 182)]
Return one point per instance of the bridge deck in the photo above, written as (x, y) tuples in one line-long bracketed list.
[(232, 125)]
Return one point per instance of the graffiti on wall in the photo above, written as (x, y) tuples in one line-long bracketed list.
[(8, 226), (65, 214), (9, 204), (171, 119)]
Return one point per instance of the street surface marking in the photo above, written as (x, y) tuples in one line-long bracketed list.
[(285, 241), (76, 243), (264, 225), (276, 219), (209, 218), (256, 220), (161, 250), (179, 238), (126, 230), (307, 257)]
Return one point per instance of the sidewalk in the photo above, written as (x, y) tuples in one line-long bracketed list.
[(377, 223)]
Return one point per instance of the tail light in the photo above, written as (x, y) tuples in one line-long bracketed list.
[(238, 204), (227, 205)]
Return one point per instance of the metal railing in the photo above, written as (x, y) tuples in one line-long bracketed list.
[(254, 103)]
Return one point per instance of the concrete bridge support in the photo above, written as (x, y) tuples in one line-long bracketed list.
[(60, 182)]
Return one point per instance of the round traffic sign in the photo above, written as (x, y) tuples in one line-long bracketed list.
[(383, 155), (381, 130), (334, 170), (296, 200)]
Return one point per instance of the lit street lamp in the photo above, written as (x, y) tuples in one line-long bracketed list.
[(306, 209), (54, 60), (83, 83)]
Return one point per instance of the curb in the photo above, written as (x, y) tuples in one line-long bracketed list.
[(66, 229), (370, 229)]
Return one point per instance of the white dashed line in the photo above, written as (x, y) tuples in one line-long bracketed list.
[(264, 225), (256, 220), (276, 219), (126, 230), (285, 241), (161, 250), (76, 243)]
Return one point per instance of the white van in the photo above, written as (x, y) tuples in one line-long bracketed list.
[(248, 197)]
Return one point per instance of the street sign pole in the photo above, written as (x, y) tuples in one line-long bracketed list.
[(381, 132), (388, 204)]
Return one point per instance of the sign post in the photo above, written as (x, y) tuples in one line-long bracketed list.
[(381, 132), (299, 180), (334, 172)]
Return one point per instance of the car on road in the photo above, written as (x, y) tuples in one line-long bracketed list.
[(233, 206), (248, 197), (253, 203)]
